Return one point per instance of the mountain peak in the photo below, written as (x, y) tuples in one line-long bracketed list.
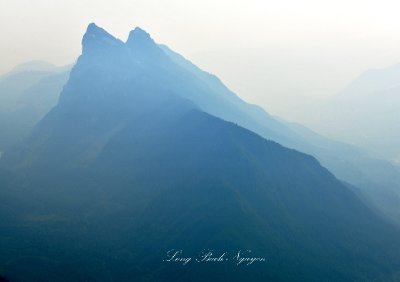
[(96, 37), (141, 43), (140, 37), (93, 26), (94, 30), (138, 31)]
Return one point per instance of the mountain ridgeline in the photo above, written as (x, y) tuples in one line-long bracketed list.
[(135, 161), (367, 112), (29, 91)]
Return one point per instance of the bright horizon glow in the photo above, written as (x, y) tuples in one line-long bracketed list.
[(275, 54)]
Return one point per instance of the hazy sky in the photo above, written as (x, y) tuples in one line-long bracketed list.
[(273, 53)]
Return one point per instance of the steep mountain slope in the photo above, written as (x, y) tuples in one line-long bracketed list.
[(193, 182), (361, 170), (181, 77), (377, 179), (124, 170), (27, 93)]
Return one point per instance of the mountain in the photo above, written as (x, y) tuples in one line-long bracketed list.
[(365, 113), (27, 93), (376, 179), (126, 168), (35, 65)]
